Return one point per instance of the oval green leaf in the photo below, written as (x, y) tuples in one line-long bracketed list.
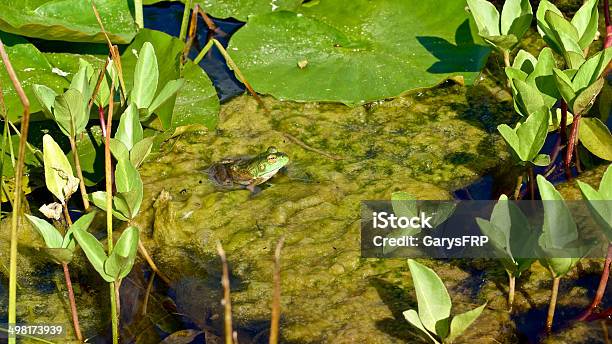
[(432, 297), (68, 20), (321, 54), (596, 137)]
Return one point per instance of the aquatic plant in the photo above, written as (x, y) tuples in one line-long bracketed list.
[(502, 32), (557, 245), (571, 39), (434, 307), (512, 237), (61, 250)]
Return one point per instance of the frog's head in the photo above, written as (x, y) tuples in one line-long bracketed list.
[(270, 161)]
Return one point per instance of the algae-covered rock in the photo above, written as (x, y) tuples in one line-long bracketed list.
[(339, 156)]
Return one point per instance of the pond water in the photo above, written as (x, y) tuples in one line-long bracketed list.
[(437, 144)]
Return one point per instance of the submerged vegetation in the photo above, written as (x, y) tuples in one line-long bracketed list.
[(394, 101)]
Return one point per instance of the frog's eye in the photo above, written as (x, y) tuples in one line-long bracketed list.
[(271, 159)]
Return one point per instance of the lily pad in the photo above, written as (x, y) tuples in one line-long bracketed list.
[(68, 20), (321, 54), (32, 68), (240, 9), (197, 101)]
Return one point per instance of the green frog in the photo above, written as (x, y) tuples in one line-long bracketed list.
[(248, 173)]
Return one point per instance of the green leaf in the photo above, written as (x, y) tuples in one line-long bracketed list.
[(126, 175), (146, 75), (585, 22), (68, 20), (596, 137), (93, 250), (564, 85), (82, 223), (121, 260), (432, 297), (530, 100), (532, 134), (242, 9), (119, 150), (541, 160), (130, 130), (197, 101), (69, 112), (32, 68), (167, 51), (411, 49), (559, 228), (585, 99), (462, 321), (591, 69), (487, 18), (58, 171), (169, 90), (510, 136), (46, 98), (81, 80), (140, 151), (90, 146), (413, 318), (51, 236), (525, 62), (599, 206), (543, 27), (99, 199), (516, 17), (58, 255), (564, 32), (605, 185)]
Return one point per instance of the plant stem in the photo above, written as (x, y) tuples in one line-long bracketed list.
[(77, 165), (185, 21), (143, 251), (531, 183), (73, 308), (275, 321), (236, 70), (511, 287), (507, 58), (608, 41), (203, 52), (227, 302), (16, 216), (570, 146), (601, 288), (138, 13), (553, 303), (109, 211), (519, 184)]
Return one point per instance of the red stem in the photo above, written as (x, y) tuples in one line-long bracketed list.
[(601, 289), (569, 151), (102, 121), (608, 41), (73, 309)]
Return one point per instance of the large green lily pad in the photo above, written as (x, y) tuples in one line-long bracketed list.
[(380, 50), (68, 20), (240, 9), (31, 67)]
